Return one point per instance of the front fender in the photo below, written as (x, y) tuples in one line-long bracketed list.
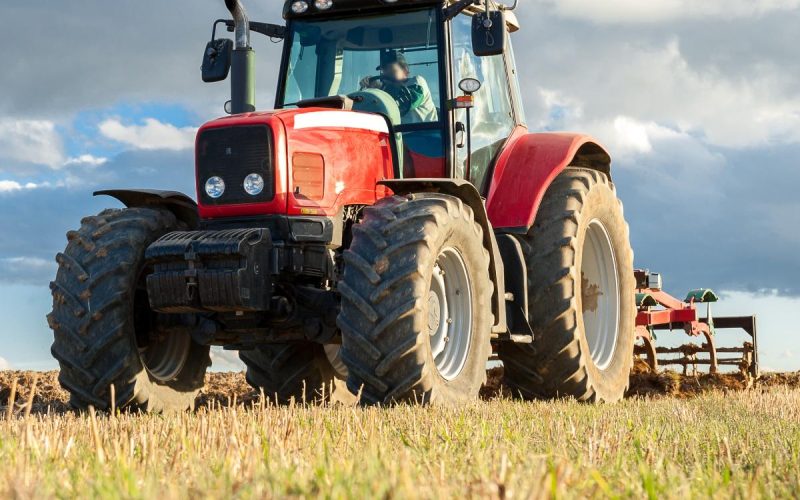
[(184, 208), (527, 167)]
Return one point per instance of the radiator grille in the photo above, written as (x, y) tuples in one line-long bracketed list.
[(233, 153)]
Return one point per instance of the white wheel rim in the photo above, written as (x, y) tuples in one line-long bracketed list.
[(600, 294), (450, 313)]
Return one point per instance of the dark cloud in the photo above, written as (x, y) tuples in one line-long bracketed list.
[(93, 53)]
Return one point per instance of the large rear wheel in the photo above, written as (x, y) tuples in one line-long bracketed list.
[(104, 331), (416, 311), (581, 292)]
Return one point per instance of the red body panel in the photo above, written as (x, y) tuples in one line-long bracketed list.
[(355, 160), (524, 171)]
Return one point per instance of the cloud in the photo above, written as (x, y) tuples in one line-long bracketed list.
[(664, 89), (27, 270), (225, 361), (7, 186), (4, 365), (87, 160), (656, 11), (152, 135), (30, 141)]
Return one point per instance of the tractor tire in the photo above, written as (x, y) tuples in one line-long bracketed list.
[(104, 331), (581, 292), (416, 302), (294, 371)]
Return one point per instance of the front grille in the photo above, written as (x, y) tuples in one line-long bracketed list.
[(233, 153)]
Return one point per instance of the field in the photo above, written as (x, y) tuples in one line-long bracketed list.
[(690, 437)]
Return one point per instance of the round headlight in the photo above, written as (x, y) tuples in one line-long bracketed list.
[(215, 186), (299, 6), (253, 184), (323, 4)]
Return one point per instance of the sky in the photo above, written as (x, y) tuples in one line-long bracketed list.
[(698, 102)]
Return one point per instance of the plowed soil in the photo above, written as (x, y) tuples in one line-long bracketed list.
[(226, 389)]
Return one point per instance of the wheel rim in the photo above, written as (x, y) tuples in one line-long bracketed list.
[(334, 354), (162, 352), (450, 313), (600, 294)]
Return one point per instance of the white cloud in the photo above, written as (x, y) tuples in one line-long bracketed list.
[(31, 141), (86, 159), (7, 186), (27, 269), (225, 361), (4, 365), (152, 135), (656, 86), (654, 11)]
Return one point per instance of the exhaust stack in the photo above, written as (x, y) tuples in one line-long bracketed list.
[(243, 88)]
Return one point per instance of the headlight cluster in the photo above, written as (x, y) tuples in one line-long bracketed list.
[(301, 6), (253, 185)]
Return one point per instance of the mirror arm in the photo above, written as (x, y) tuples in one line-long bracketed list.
[(456, 9), (266, 29)]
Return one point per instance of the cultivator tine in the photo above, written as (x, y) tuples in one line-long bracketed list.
[(659, 311)]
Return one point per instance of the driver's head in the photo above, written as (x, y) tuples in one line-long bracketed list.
[(394, 65)]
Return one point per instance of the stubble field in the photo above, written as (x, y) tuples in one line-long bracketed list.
[(674, 437)]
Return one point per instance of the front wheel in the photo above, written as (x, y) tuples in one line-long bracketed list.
[(581, 293), (416, 302), (104, 331)]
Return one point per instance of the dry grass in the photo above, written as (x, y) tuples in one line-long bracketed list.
[(739, 444)]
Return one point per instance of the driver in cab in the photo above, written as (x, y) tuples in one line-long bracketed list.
[(412, 94)]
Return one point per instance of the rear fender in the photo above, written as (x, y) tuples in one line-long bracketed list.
[(526, 168), (184, 208), (467, 193)]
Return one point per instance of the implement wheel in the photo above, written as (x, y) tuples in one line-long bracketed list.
[(582, 295), (416, 313), (104, 331)]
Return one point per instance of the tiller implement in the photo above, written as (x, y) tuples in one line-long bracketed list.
[(659, 311)]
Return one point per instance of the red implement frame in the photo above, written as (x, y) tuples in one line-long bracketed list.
[(659, 310)]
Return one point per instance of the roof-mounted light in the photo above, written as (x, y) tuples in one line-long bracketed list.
[(299, 6), (323, 4)]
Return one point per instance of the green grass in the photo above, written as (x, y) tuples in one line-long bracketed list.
[(737, 445)]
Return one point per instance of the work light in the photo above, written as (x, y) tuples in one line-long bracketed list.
[(299, 6)]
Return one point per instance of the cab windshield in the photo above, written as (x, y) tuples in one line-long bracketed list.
[(396, 54)]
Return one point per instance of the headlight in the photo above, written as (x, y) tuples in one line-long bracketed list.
[(215, 186), (299, 6), (323, 4), (253, 184)]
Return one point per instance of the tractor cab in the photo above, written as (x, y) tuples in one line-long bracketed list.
[(408, 57)]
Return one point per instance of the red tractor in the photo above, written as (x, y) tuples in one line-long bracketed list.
[(383, 232)]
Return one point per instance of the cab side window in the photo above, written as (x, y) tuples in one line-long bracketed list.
[(492, 117)]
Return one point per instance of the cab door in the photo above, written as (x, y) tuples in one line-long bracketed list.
[(496, 111)]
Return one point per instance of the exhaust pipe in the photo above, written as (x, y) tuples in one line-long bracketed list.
[(243, 81)]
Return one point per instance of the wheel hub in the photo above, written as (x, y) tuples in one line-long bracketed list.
[(450, 313), (600, 303)]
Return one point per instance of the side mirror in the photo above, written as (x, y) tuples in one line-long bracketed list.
[(489, 33), (217, 60)]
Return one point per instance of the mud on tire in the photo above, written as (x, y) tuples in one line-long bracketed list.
[(563, 361), (104, 331), (388, 311)]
